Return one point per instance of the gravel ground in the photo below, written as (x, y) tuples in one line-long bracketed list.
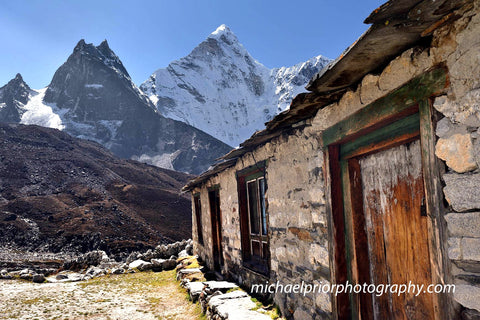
[(145, 295)]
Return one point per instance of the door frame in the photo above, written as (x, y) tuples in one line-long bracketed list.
[(216, 224), (415, 97)]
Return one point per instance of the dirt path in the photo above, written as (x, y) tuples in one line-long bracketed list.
[(144, 295)]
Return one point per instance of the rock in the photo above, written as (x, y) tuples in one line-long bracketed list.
[(194, 289), (94, 258), (157, 264), (75, 277), (223, 286), (95, 272), (461, 191), (169, 264), (140, 265), (61, 277), (457, 151), (118, 271), (189, 249), (467, 296), (235, 305), (446, 128), (183, 254), (27, 276), (38, 278), (25, 272), (192, 274), (469, 314), (463, 224)]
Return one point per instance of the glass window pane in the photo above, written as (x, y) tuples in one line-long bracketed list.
[(253, 207), (261, 183)]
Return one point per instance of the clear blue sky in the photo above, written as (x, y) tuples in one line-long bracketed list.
[(37, 36)]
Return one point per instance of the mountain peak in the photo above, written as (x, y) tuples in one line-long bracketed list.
[(104, 45), (17, 82), (80, 45), (224, 33)]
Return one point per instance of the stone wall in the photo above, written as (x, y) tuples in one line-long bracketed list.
[(297, 221), (295, 178)]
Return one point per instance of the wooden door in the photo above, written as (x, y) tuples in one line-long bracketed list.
[(388, 202), (216, 218)]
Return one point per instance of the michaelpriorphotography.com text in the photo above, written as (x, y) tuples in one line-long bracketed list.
[(304, 288)]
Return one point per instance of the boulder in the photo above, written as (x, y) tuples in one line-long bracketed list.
[(183, 254), (95, 272), (194, 289), (38, 278), (157, 264), (118, 271), (140, 265), (169, 264), (61, 277)]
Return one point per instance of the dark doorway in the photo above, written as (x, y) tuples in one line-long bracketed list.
[(216, 218)]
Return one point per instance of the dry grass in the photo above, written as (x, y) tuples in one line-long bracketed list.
[(144, 295)]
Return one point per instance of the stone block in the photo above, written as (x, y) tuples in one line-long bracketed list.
[(464, 224), (457, 151), (318, 254), (471, 249), (468, 296), (464, 110), (398, 72), (462, 191), (369, 90), (454, 249), (446, 128)]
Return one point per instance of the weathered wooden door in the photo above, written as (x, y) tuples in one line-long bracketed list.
[(216, 218), (396, 229), (385, 210)]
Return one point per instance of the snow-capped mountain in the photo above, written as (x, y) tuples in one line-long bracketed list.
[(13, 97), (221, 89), (92, 96)]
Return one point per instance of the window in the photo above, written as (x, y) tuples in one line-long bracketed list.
[(254, 217), (198, 217)]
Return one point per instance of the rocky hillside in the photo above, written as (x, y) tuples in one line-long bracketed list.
[(92, 96), (221, 89), (63, 194)]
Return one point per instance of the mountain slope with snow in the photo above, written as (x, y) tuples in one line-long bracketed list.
[(221, 89), (92, 96)]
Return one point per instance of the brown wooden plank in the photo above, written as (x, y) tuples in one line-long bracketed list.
[(342, 303), (360, 241), (393, 185), (351, 262), (437, 232)]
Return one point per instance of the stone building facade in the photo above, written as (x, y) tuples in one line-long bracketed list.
[(299, 199)]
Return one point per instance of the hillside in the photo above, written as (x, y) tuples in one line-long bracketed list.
[(63, 194)]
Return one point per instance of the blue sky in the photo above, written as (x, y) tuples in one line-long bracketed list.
[(38, 36)]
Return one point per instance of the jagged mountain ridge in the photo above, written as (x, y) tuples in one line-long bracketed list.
[(92, 96), (221, 89)]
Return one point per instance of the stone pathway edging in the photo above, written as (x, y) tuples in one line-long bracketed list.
[(220, 300)]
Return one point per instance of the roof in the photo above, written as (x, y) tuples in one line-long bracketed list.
[(395, 26)]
